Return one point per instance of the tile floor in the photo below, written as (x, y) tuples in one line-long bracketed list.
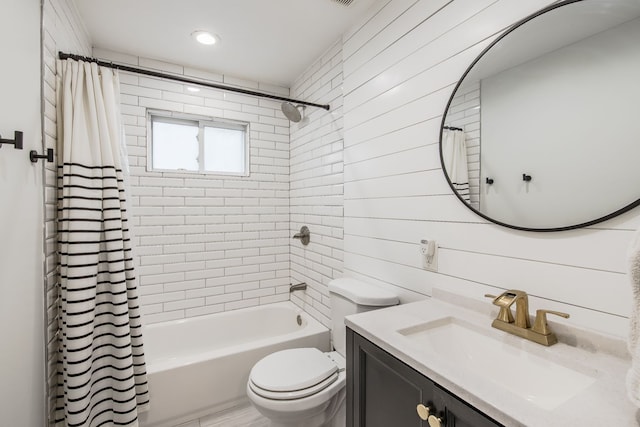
[(239, 416)]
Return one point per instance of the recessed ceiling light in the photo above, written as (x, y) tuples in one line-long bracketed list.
[(204, 37)]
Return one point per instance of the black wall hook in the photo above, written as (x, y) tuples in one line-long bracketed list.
[(34, 156), (526, 177), (489, 181), (16, 141)]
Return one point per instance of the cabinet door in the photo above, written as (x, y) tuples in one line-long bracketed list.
[(458, 413), (381, 390)]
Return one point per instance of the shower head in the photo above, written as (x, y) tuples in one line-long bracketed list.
[(292, 112)]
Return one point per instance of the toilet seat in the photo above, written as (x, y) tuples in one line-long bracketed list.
[(293, 374), (294, 394)]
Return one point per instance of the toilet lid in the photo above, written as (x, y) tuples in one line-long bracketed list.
[(293, 369)]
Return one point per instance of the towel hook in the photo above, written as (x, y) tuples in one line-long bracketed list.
[(34, 156), (526, 177), (16, 141), (489, 181)]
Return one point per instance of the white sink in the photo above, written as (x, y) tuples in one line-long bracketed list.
[(537, 379)]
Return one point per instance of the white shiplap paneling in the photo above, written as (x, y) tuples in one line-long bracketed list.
[(396, 90)]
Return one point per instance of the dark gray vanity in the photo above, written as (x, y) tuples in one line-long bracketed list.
[(383, 391), (434, 363)]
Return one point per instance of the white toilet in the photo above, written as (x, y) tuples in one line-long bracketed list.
[(304, 386)]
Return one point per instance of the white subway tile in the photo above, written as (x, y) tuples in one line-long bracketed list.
[(258, 293), (163, 317), (162, 298), (184, 248), (187, 211), (201, 311), (205, 292), (217, 299), (235, 305), (160, 104), (161, 259), (181, 305), (183, 191), (184, 266), (161, 278), (274, 298), (243, 286), (161, 240), (203, 111), (206, 274), (161, 201), (183, 229)]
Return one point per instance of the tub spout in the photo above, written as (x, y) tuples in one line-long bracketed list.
[(297, 287)]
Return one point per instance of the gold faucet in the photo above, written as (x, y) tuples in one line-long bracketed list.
[(520, 325)]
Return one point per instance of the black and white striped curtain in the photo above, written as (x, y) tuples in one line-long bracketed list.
[(101, 371), (454, 154)]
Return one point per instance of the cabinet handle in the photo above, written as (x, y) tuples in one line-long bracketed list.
[(435, 421), (423, 411)]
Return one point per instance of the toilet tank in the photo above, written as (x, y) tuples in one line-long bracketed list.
[(351, 296)]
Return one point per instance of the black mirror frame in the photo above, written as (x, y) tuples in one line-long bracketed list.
[(444, 117)]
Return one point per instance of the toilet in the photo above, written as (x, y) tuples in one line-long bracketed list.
[(304, 386)]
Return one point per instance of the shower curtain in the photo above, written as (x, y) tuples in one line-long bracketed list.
[(101, 369), (454, 153)]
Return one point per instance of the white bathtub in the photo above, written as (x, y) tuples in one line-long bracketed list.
[(201, 365)]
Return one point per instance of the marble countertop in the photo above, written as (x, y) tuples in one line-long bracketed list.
[(604, 358)]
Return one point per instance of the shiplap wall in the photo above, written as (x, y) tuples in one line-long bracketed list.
[(316, 198), (207, 243), (62, 31), (400, 67)]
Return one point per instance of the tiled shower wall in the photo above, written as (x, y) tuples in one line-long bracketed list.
[(317, 183), (62, 31), (207, 243)]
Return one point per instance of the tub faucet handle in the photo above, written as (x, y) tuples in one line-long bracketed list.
[(303, 235)]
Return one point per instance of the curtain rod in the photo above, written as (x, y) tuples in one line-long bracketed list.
[(160, 75)]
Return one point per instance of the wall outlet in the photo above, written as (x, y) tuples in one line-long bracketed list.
[(429, 254)]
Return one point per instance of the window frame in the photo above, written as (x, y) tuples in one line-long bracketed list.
[(201, 122)]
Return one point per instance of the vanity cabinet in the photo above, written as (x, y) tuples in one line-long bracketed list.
[(383, 391)]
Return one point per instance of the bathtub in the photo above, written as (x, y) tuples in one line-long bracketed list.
[(201, 365)]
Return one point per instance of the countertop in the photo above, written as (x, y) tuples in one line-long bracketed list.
[(604, 358)]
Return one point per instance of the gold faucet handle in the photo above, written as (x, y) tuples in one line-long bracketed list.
[(540, 325), (504, 314)]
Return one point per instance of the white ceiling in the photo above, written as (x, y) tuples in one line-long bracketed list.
[(269, 41)]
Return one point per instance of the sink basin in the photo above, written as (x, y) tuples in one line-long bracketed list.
[(537, 379)]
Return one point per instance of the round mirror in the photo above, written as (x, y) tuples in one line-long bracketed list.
[(540, 132)]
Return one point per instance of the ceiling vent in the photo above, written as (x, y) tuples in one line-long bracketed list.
[(344, 2)]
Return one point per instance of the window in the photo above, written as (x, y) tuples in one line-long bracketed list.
[(204, 146)]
